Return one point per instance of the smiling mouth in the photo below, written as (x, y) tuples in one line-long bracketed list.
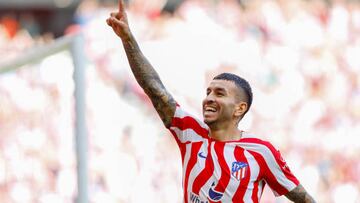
[(210, 109)]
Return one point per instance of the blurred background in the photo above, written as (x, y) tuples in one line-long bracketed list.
[(300, 56)]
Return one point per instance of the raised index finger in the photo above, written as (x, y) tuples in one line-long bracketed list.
[(121, 6)]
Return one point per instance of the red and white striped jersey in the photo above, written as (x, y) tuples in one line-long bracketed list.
[(234, 171)]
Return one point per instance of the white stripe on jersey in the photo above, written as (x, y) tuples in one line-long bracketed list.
[(254, 169), (188, 135), (186, 161), (271, 162), (217, 167)]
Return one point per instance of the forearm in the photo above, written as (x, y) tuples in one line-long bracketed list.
[(305, 199), (309, 199), (143, 71), (299, 195), (149, 80)]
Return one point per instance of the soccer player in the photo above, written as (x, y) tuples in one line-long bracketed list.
[(220, 162)]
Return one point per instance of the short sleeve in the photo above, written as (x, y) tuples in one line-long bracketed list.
[(279, 176), (186, 128)]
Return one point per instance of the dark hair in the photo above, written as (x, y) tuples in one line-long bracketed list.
[(240, 83)]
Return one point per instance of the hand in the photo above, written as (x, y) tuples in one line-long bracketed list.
[(119, 23)]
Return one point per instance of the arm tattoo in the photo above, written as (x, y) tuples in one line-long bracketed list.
[(299, 195), (150, 81)]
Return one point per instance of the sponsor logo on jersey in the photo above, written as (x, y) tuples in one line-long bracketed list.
[(196, 199), (238, 170), (213, 194)]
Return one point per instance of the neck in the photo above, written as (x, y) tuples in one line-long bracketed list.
[(224, 134)]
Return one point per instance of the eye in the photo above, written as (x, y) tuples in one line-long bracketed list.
[(220, 94), (208, 91)]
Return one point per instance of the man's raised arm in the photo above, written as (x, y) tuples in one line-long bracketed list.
[(144, 73)]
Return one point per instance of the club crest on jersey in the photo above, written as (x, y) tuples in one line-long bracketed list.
[(238, 169)]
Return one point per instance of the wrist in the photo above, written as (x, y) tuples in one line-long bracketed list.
[(129, 41), (127, 37)]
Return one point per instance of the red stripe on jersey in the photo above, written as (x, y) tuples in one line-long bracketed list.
[(190, 123), (195, 147), (181, 146), (239, 194), (254, 195), (257, 157), (205, 174), (260, 161), (225, 170), (279, 160)]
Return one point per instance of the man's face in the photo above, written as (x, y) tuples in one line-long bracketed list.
[(220, 102)]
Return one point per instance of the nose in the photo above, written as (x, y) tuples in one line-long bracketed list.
[(209, 98)]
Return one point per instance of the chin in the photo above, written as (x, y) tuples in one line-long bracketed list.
[(208, 121)]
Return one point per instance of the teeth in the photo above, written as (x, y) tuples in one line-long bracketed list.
[(210, 109)]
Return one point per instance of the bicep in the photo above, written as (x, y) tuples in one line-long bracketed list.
[(165, 105), (299, 195)]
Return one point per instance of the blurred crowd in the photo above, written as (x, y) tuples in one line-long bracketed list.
[(301, 58)]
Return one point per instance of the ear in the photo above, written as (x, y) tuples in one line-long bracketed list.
[(240, 109)]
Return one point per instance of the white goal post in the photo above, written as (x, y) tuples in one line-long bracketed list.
[(74, 44)]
